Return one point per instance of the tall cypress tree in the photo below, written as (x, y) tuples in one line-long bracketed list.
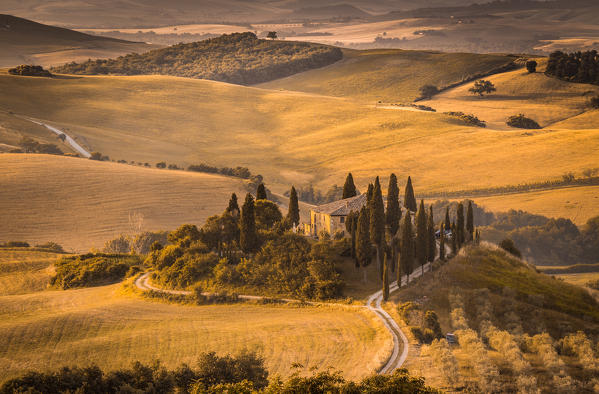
[(293, 215), (385, 279), (233, 207), (409, 200), (369, 194), (363, 245), (447, 220), (421, 236), (349, 188), (460, 225), (406, 254), (248, 237), (261, 192), (351, 225), (442, 243), (393, 210), (469, 222), (377, 221), (454, 239), (431, 240)]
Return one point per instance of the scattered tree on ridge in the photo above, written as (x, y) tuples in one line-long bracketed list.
[(261, 192), (233, 207), (431, 240), (248, 238), (428, 91), (409, 200), (293, 214), (349, 188), (377, 221), (363, 245), (531, 66), (421, 236), (272, 35), (406, 254), (482, 87), (385, 279)]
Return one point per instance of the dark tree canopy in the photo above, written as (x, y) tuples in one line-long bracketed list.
[(349, 188), (248, 238), (482, 87), (470, 221), (409, 200), (377, 215), (406, 254), (267, 213), (531, 66), (261, 192), (293, 215), (363, 245), (431, 241), (580, 67), (385, 279), (460, 225), (393, 209), (421, 235), (233, 207)]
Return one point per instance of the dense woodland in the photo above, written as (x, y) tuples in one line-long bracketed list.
[(574, 67), (239, 58)]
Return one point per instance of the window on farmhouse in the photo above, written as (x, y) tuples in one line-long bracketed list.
[(342, 219)]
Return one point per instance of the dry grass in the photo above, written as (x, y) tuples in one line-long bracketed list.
[(577, 203), (153, 118), (80, 203), (103, 326), (544, 99), (25, 271), (389, 75)]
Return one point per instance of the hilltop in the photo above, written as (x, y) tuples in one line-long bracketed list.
[(239, 58), (25, 41)]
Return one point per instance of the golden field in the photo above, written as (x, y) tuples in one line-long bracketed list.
[(25, 271), (112, 329), (81, 203), (183, 121)]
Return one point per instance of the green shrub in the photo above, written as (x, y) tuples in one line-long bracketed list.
[(92, 270), (522, 122), (508, 245)]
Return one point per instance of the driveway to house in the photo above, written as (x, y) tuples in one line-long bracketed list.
[(59, 132)]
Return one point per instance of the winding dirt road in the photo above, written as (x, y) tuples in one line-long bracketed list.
[(59, 132)]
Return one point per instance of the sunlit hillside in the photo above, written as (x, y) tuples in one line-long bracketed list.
[(80, 203)]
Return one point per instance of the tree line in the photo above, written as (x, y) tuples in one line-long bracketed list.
[(578, 66)]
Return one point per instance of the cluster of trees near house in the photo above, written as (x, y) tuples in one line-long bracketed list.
[(578, 66), (242, 374), (29, 71), (239, 58), (383, 234)]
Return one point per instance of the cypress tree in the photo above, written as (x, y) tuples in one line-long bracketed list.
[(421, 236), (470, 222), (377, 221), (454, 242), (431, 240), (369, 193), (349, 188), (385, 279), (447, 221), (293, 215), (233, 207), (406, 254), (351, 225), (460, 225), (442, 244), (261, 192), (363, 245), (409, 200), (393, 210), (248, 238)]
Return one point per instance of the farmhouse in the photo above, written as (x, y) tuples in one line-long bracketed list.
[(331, 217)]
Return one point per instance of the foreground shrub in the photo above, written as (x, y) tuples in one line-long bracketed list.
[(91, 270), (522, 122)]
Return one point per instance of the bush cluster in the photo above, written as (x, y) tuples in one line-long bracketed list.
[(468, 119), (239, 58), (29, 145), (92, 269), (522, 122), (239, 172), (29, 71)]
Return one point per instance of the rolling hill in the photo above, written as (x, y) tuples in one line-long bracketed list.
[(25, 41), (81, 204)]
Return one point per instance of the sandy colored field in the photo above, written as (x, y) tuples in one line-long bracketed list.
[(388, 75), (580, 279), (80, 203), (102, 326), (577, 203), (179, 29), (25, 271), (184, 121), (544, 99)]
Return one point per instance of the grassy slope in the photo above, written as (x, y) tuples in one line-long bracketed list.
[(81, 203), (26, 41), (25, 271), (544, 99), (154, 118), (389, 75), (103, 326)]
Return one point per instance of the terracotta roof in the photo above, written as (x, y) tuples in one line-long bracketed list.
[(342, 207)]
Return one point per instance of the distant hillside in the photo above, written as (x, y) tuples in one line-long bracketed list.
[(239, 58), (329, 12), (25, 41)]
